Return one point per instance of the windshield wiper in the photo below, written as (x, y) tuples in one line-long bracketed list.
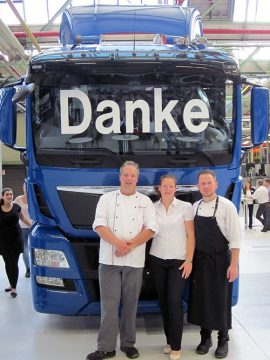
[(206, 155), (99, 151), (179, 159)]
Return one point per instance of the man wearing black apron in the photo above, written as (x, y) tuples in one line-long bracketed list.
[(215, 265)]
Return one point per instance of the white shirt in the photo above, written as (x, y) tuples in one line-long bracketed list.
[(261, 195), (226, 216), (171, 240), (248, 197), (24, 210), (125, 216)]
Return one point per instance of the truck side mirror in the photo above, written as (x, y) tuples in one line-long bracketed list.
[(259, 115), (8, 117)]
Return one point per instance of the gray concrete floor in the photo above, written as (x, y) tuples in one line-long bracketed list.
[(25, 334)]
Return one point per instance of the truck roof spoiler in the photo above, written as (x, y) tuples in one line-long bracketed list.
[(89, 22)]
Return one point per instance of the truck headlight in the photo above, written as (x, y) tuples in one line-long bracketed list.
[(49, 281), (50, 258)]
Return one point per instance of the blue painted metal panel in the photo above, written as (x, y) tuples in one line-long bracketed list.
[(94, 21), (51, 300), (238, 130)]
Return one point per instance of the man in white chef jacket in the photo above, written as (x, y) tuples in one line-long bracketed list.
[(125, 220)]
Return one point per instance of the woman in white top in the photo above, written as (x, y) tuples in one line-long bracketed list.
[(248, 192), (21, 200), (171, 256)]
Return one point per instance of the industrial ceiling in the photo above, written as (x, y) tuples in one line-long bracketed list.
[(18, 42)]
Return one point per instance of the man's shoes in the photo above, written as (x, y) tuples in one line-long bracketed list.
[(131, 352), (8, 290), (13, 294), (27, 274), (263, 230), (222, 349), (99, 355), (204, 345)]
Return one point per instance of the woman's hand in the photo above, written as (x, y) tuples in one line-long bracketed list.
[(187, 268)]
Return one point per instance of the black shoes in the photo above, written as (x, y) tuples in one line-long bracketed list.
[(12, 292), (206, 342), (204, 345), (222, 349), (263, 230), (131, 352), (99, 355), (27, 274)]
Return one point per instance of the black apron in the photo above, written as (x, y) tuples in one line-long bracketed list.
[(210, 291)]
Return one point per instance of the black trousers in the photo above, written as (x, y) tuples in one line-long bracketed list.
[(170, 287), (261, 209), (250, 214), (222, 334), (12, 269)]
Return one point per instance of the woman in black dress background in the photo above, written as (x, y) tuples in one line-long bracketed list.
[(11, 238)]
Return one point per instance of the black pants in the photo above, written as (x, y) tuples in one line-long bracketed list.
[(222, 334), (261, 210), (170, 287), (250, 214), (12, 269)]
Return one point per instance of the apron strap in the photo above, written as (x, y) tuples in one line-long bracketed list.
[(198, 207), (215, 210), (216, 206)]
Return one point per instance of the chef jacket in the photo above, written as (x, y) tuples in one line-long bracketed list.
[(125, 216)]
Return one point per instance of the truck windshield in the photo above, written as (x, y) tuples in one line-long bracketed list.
[(124, 113)]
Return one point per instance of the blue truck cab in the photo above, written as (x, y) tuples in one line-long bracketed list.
[(127, 83)]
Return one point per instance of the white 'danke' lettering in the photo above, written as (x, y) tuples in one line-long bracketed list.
[(160, 114)]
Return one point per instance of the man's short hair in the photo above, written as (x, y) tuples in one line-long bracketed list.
[(207, 172), (130, 163)]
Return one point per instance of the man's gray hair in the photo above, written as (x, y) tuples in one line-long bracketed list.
[(130, 163)]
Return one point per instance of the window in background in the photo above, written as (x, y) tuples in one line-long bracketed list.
[(6, 14), (252, 11), (36, 12), (53, 7)]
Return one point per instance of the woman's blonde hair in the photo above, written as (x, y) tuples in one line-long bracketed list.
[(167, 176)]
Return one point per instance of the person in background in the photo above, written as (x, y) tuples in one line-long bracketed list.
[(261, 195), (266, 214), (248, 191), (11, 237), (267, 184), (171, 256), (125, 220), (215, 265), (21, 200)]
